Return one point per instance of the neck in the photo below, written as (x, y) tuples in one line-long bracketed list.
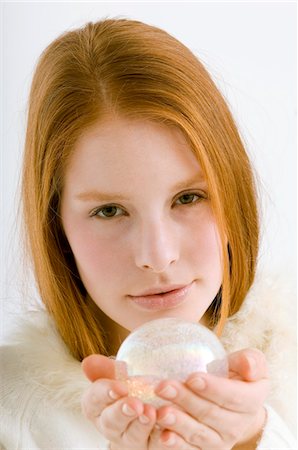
[(114, 334)]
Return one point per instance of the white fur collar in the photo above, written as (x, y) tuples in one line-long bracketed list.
[(262, 322)]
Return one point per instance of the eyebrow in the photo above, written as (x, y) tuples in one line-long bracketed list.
[(97, 196)]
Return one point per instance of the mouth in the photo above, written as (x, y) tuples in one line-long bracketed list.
[(162, 298)]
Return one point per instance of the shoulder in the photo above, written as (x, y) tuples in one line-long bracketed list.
[(35, 355), (266, 317), (42, 385)]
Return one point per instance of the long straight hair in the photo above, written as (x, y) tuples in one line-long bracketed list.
[(131, 69)]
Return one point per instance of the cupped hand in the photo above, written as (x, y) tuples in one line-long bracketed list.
[(212, 412), (124, 421)]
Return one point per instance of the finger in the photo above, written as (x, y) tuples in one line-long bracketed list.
[(116, 418), (101, 394), (248, 364), (193, 432), (210, 417), (232, 395), (169, 439), (98, 366), (154, 442), (139, 429)]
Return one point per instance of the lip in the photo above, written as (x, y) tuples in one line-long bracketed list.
[(163, 297)]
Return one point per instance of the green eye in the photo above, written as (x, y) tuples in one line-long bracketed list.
[(187, 198), (108, 212)]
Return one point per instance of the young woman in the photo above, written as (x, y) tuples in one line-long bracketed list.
[(139, 203)]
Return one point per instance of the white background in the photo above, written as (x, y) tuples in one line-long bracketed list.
[(250, 50)]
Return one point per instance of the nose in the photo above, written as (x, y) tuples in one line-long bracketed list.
[(157, 247)]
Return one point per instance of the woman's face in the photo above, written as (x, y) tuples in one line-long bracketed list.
[(136, 213)]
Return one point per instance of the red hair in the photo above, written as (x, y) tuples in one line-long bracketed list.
[(134, 70)]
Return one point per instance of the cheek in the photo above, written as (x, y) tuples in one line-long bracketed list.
[(97, 258), (204, 244)]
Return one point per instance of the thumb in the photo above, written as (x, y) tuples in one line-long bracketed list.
[(98, 366), (248, 365)]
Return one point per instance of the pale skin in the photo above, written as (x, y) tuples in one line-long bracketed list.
[(138, 217), (205, 413)]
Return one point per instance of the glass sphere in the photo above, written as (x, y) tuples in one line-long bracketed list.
[(167, 349)]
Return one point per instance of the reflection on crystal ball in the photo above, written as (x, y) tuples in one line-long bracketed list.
[(167, 349)]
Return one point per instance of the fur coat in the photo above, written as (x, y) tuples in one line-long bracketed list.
[(42, 384)]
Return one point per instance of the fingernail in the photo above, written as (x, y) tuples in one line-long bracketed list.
[(197, 383), (144, 419), (169, 419), (170, 441), (168, 392), (128, 411), (113, 395)]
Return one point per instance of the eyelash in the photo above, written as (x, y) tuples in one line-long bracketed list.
[(96, 212), (200, 196)]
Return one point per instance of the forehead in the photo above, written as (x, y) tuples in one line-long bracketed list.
[(125, 150), (126, 139)]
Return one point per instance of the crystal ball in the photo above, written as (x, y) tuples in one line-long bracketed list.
[(167, 348)]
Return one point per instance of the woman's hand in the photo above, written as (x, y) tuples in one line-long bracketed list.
[(218, 413), (125, 421)]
